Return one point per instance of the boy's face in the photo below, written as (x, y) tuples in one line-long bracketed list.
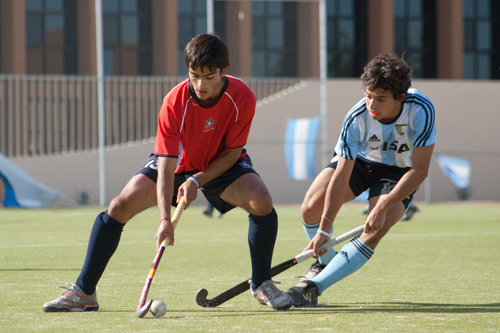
[(207, 84), (381, 104)]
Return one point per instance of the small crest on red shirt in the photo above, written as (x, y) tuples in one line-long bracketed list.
[(209, 124)]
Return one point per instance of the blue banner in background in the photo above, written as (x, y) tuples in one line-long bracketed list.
[(301, 138), (18, 189), (456, 169)]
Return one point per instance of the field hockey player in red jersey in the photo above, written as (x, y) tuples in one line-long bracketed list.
[(209, 114)]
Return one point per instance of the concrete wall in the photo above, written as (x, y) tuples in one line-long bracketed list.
[(466, 114), (466, 118)]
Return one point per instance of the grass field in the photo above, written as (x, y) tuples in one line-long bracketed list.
[(439, 272)]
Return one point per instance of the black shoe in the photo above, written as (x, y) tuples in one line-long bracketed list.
[(304, 297)]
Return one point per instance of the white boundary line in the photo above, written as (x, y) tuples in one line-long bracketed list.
[(419, 235)]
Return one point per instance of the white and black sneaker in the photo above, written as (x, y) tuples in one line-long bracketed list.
[(73, 299), (268, 294)]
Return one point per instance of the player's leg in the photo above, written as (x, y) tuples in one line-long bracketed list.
[(359, 250), (249, 192), (311, 210), (392, 217), (350, 259), (137, 195), (312, 205)]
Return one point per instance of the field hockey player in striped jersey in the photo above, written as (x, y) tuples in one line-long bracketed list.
[(385, 146)]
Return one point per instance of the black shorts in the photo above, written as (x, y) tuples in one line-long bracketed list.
[(379, 178), (212, 189)]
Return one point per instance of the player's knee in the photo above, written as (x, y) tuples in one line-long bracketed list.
[(262, 205), (310, 211), (115, 204), (305, 208), (118, 209)]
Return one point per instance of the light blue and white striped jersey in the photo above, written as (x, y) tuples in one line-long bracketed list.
[(390, 144)]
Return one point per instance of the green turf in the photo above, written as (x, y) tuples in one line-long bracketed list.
[(439, 272)]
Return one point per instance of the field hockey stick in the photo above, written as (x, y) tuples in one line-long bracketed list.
[(143, 306), (201, 296)]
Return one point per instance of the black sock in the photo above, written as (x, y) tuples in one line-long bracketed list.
[(103, 241), (262, 234)]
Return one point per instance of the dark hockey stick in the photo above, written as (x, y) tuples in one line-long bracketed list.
[(201, 296), (143, 306)]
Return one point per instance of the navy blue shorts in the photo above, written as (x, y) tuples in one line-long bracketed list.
[(379, 178), (212, 189)]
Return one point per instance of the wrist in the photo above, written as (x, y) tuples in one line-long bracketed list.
[(164, 219), (195, 180), (323, 233)]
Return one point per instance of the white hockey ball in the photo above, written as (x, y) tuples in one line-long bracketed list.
[(158, 309)]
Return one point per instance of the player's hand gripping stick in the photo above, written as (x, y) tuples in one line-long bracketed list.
[(143, 306)]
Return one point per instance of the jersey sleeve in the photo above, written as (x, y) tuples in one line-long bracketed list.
[(423, 123), (168, 132), (238, 133), (352, 133)]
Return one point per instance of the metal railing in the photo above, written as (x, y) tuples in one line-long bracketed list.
[(43, 115)]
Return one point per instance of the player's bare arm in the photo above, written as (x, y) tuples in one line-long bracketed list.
[(217, 167), (337, 193), (164, 190), (421, 159)]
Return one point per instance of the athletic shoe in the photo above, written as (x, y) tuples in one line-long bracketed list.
[(72, 300), (207, 213), (409, 213), (307, 297), (269, 294), (314, 270)]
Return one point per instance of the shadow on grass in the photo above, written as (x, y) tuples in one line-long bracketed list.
[(386, 307), (406, 307)]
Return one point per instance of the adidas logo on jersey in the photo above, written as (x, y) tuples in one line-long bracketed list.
[(373, 138)]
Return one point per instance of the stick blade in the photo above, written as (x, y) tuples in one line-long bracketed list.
[(201, 298), (142, 311)]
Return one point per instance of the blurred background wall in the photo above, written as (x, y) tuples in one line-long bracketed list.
[(48, 90)]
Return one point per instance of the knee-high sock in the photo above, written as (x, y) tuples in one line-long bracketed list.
[(351, 258), (103, 241), (310, 232), (262, 233)]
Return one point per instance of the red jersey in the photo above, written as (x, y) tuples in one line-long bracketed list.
[(203, 131)]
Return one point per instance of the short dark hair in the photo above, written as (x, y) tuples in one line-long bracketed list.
[(389, 72), (206, 50)]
